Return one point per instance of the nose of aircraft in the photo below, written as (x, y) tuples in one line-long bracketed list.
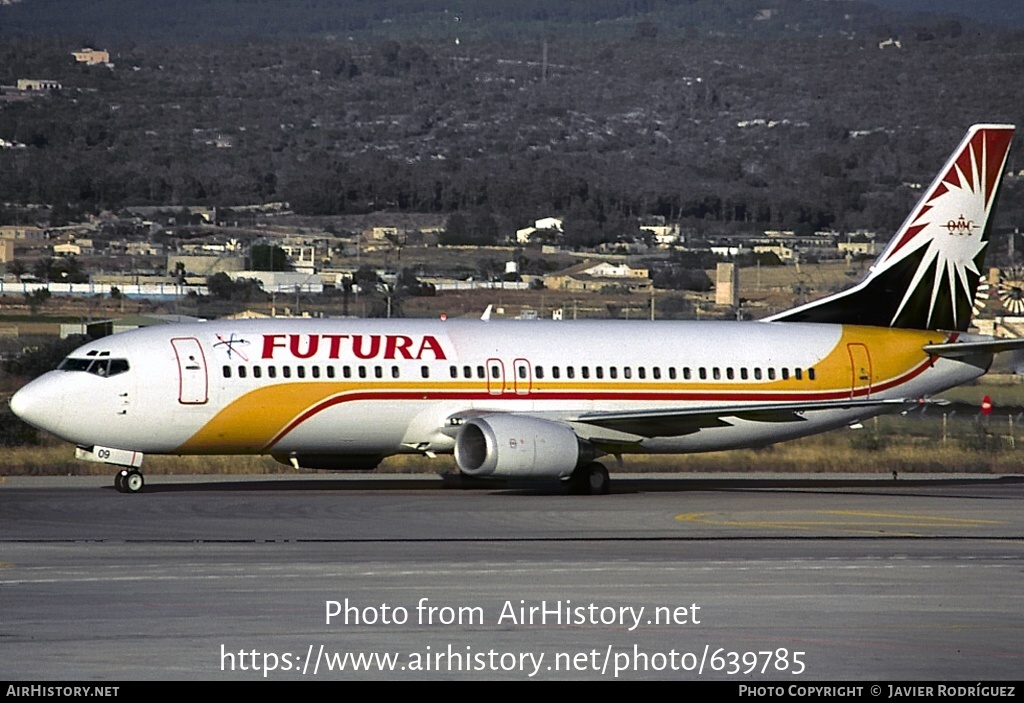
[(40, 403)]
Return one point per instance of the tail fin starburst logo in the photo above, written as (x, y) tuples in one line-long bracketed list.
[(940, 232)]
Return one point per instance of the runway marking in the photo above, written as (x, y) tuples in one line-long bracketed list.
[(870, 525), (927, 518)]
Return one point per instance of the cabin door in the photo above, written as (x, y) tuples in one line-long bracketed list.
[(860, 370), (523, 380), (193, 384), (495, 376)]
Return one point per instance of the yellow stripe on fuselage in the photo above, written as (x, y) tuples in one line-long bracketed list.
[(255, 420)]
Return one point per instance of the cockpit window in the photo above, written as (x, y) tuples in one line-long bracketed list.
[(99, 367), (70, 364)]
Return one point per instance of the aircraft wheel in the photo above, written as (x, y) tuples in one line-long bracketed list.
[(119, 481), (133, 482), (591, 479)]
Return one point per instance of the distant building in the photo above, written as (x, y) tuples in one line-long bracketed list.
[(67, 249), (664, 235), (589, 276), (784, 252), (863, 248), (383, 232), (91, 56), (143, 249), (36, 84), (727, 285), (552, 225), (6, 251), (302, 255), (22, 232), (283, 281), (205, 265), (727, 250)]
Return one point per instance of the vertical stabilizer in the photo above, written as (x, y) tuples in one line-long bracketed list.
[(928, 274)]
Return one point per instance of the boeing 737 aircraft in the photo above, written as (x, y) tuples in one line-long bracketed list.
[(545, 399)]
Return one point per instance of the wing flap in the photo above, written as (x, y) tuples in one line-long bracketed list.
[(676, 422)]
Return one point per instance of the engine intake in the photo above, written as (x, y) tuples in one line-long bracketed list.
[(513, 446)]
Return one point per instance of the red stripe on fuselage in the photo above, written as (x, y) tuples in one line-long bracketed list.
[(647, 396)]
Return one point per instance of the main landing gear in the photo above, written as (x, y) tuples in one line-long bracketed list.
[(589, 480), (129, 481)]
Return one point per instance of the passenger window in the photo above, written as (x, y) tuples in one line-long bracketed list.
[(785, 374), (570, 372), (522, 371), (286, 371), (316, 371), (771, 374), (703, 373), (743, 373), (613, 372), (657, 372), (716, 372), (641, 372), (227, 372), (272, 371), (686, 373), (453, 371), (538, 371), (757, 373), (627, 372), (798, 373), (346, 371), (378, 372), (241, 372), (672, 372), (467, 371), (394, 371), (257, 372), (585, 371), (599, 372), (729, 373), (425, 371), (300, 371), (330, 372), (362, 372), (810, 374), (495, 371), (480, 372), (554, 372)]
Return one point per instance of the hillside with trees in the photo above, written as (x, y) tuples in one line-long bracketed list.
[(721, 134)]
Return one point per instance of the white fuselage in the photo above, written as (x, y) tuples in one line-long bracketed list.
[(383, 387)]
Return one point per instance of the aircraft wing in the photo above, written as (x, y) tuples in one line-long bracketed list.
[(675, 422)]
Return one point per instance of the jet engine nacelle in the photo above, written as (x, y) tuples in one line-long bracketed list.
[(513, 446)]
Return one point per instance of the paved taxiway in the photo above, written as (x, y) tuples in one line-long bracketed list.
[(870, 579)]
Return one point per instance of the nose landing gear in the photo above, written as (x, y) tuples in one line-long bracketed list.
[(129, 481)]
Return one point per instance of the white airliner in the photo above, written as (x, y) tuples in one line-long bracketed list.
[(544, 399)]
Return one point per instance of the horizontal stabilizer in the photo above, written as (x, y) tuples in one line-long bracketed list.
[(959, 350)]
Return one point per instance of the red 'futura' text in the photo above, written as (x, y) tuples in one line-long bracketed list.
[(361, 346)]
